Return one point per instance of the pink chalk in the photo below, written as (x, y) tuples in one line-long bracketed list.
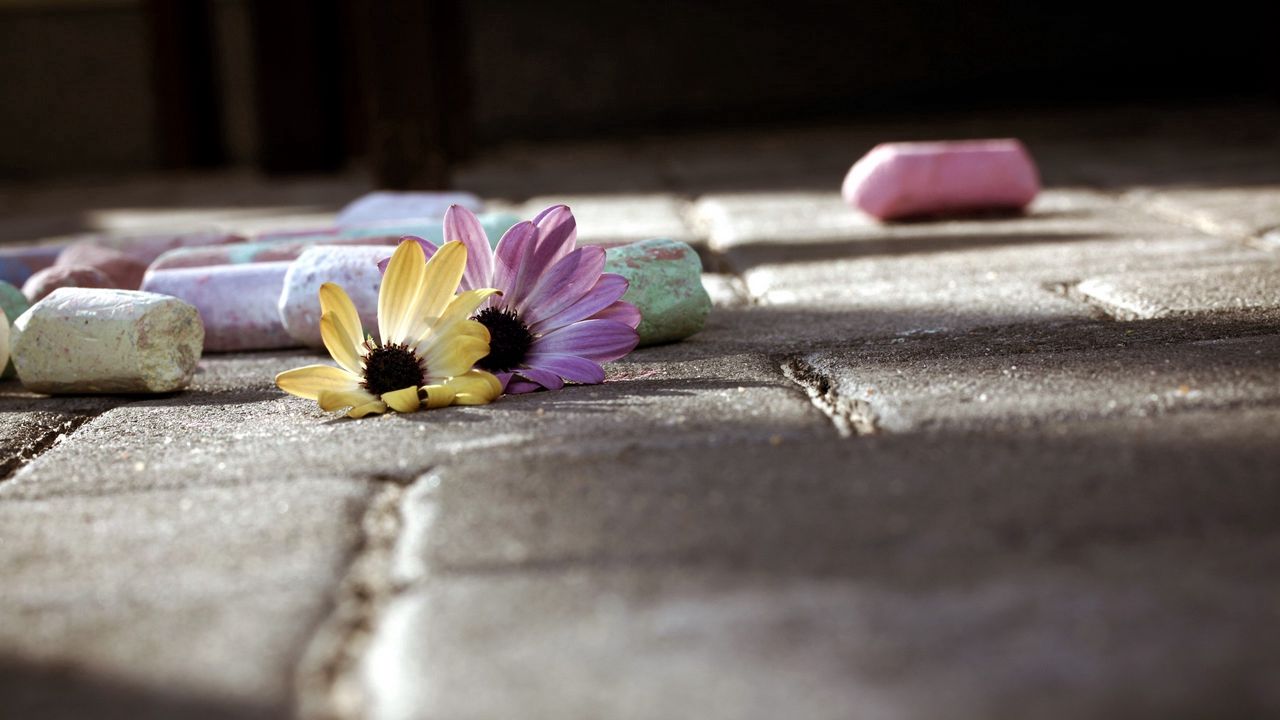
[(237, 303), (124, 271), (49, 279), (897, 180)]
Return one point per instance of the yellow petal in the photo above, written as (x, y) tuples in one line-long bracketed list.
[(308, 382), (338, 342), (476, 387), (377, 406), (404, 400), (400, 289), (444, 272), (438, 396), (454, 356), (333, 399), (460, 308), (334, 299)]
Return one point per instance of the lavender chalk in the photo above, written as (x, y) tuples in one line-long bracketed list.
[(237, 303), (381, 206), (353, 268), (79, 340)]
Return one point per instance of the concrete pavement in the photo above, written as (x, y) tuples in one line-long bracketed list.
[(1017, 467)]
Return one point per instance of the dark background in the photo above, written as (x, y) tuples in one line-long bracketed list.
[(408, 88)]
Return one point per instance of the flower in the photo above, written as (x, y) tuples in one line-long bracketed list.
[(428, 343), (558, 315)]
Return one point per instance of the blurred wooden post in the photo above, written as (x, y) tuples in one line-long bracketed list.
[(298, 47), (184, 79), (412, 71)]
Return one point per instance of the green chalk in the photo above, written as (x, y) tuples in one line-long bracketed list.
[(666, 285), (13, 303)]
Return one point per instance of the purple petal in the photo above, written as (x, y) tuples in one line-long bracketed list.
[(604, 293), (513, 250), (557, 232), (462, 224), (545, 378), (621, 311), (555, 235), (569, 367), (504, 378), (563, 285), (599, 340), (428, 247), (520, 387)]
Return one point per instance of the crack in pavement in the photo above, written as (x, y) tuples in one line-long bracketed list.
[(850, 416), (328, 681), (14, 459)]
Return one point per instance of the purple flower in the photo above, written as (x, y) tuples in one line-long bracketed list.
[(559, 315)]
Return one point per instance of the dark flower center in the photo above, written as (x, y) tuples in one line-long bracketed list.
[(391, 367), (509, 339)]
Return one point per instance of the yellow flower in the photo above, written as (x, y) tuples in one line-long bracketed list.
[(429, 343)]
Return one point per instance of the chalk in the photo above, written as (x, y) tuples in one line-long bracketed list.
[(237, 303), (80, 340)]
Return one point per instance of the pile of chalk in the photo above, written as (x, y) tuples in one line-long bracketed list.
[(133, 313)]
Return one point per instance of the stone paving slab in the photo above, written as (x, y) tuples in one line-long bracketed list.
[(976, 384), (1242, 288), (898, 577), (209, 593), (1230, 212)]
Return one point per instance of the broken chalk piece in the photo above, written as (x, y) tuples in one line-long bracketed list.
[(899, 180), (665, 279), (80, 340), (19, 263), (237, 303), (354, 269), (51, 278), (12, 303), (381, 206)]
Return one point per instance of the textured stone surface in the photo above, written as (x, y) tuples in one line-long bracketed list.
[(1235, 288), (732, 525), (238, 304), (354, 269), (201, 599), (107, 341), (665, 279)]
